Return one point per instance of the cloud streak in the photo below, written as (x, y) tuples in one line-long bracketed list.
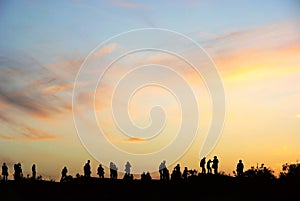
[(128, 4), (33, 91)]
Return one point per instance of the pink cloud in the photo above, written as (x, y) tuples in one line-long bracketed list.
[(105, 50)]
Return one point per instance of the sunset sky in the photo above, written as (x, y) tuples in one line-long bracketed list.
[(255, 46)]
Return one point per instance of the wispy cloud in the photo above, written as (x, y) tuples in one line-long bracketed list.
[(24, 132), (35, 92), (105, 50), (128, 4)]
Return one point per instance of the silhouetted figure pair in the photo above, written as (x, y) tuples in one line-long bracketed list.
[(100, 171), (87, 169), (176, 174), (240, 168), (127, 174), (33, 169), (4, 171), (18, 171), (113, 171), (215, 164), (146, 176), (202, 165), (163, 171)]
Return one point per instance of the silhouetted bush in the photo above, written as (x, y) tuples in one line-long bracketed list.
[(291, 170), (261, 172)]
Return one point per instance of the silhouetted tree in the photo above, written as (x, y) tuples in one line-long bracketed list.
[(260, 172), (291, 170)]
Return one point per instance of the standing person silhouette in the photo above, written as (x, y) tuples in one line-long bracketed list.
[(87, 169), (64, 174), (208, 166), (4, 172), (202, 165), (185, 173), (215, 164), (240, 168), (127, 168), (100, 171), (111, 166), (18, 175), (161, 168), (33, 169), (113, 171)]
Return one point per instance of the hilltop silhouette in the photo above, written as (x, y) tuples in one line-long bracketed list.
[(256, 183)]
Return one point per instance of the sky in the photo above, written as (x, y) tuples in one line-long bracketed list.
[(61, 103)]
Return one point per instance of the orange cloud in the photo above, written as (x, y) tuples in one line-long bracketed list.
[(134, 140), (252, 64), (28, 133), (58, 87), (105, 50)]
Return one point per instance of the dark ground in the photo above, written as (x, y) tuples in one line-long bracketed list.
[(206, 187)]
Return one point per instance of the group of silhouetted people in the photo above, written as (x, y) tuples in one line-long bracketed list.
[(163, 171), (18, 172), (215, 165)]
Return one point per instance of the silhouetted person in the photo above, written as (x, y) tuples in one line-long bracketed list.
[(208, 166), (127, 174), (64, 174), (176, 174), (113, 171), (215, 164), (148, 176), (33, 169), (161, 168), (87, 169), (143, 176), (185, 173), (240, 168), (166, 174), (127, 168), (4, 171), (18, 171), (202, 165), (100, 171)]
